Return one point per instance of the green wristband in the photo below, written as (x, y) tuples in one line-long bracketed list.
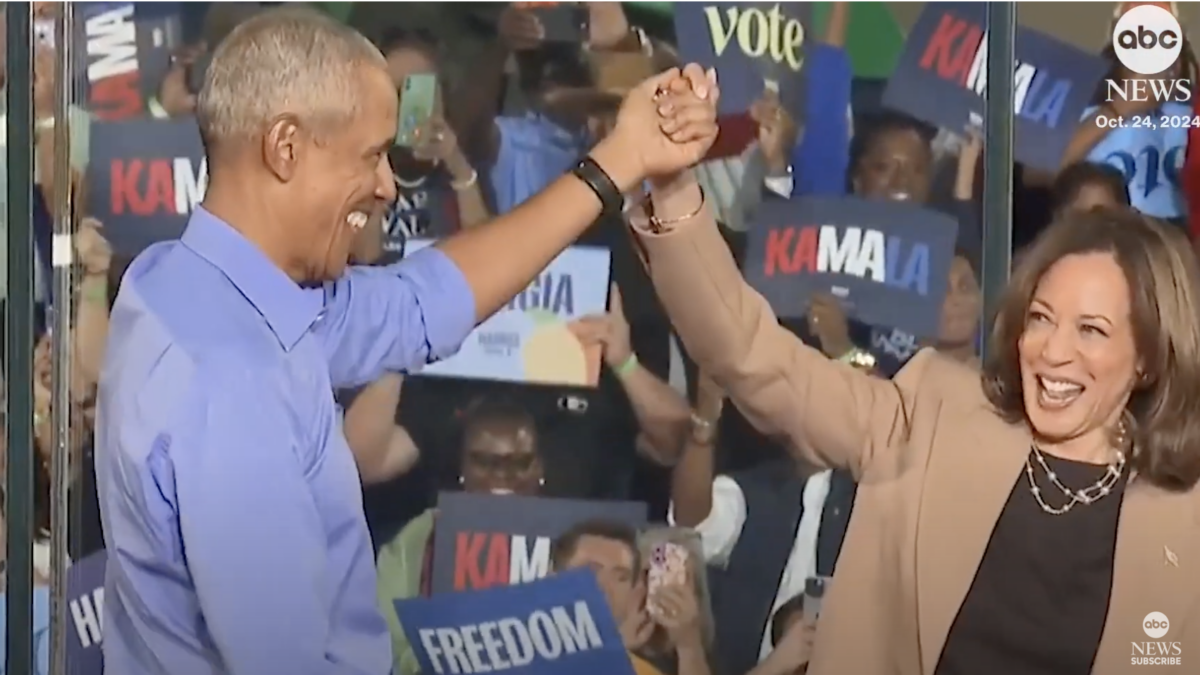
[(627, 367)]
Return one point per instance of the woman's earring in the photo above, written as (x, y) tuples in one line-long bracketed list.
[(542, 481), (461, 480)]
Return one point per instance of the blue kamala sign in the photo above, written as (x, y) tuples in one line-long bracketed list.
[(888, 263)]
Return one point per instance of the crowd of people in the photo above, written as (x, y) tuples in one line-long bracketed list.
[(260, 455)]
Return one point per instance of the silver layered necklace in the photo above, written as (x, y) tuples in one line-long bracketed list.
[(1085, 496)]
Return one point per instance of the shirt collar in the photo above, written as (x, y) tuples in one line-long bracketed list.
[(288, 309)]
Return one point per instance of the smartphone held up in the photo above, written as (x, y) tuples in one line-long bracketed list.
[(668, 567), (418, 96)]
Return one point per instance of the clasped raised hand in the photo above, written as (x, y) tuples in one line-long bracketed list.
[(669, 122)]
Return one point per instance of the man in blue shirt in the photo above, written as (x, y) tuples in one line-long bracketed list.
[(231, 505)]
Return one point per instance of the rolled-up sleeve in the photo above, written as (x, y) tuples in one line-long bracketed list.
[(395, 318), (251, 531)]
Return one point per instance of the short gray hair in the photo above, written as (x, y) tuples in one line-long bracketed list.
[(283, 60)]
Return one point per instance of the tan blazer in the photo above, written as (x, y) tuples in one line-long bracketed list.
[(935, 467)]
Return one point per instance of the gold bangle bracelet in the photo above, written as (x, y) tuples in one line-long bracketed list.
[(657, 224)]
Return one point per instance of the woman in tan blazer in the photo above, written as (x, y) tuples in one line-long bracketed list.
[(1042, 519)]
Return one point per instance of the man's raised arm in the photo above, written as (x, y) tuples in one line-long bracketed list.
[(422, 308)]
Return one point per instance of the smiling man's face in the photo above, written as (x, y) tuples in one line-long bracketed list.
[(345, 179)]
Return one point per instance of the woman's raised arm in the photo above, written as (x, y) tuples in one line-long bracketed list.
[(831, 414)]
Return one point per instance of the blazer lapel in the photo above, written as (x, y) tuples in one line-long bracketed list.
[(970, 476), (1157, 569)]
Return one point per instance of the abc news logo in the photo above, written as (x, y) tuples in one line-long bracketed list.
[(1148, 40), (1155, 653), (1154, 627)]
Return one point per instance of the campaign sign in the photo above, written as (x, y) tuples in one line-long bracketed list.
[(126, 51), (85, 602), (483, 540), (560, 624), (888, 262), (941, 78), (145, 177), (41, 633), (751, 44), (533, 338), (425, 208)]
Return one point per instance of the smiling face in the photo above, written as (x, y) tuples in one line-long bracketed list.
[(1078, 357), (500, 457), (897, 166), (341, 178)]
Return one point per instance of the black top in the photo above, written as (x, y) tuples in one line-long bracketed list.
[(1039, 600)]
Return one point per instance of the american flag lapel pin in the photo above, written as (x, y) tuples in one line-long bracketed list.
[(1169, 557)]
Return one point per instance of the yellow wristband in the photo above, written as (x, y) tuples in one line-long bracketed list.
[(627, 367)]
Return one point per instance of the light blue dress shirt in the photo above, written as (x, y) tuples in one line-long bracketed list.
[(231, 504)]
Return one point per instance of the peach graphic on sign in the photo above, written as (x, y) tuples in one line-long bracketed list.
[(553, 353)]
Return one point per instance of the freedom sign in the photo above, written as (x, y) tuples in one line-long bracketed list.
[(146, 176), (560, 624), (85, 604), (533, 338), (751, 44), (482, 540), (888, 262), (941, 78)]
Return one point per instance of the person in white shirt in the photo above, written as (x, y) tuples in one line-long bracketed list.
[(755, 568)]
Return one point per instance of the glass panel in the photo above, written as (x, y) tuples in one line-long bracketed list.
[(26, 590), (998, 148)]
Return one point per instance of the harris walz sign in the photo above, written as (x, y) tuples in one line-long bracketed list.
[(888, 262), (941, 78), (85, 604), (481, 541), (146, 176)]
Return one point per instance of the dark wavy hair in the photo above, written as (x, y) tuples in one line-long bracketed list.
[(1164, 288)]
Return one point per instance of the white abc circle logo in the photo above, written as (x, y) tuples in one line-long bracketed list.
[(1147, 39), (1156, 625)]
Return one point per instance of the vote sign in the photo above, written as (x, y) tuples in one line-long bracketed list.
[(85, 605), (941, 78), (146, 176), (750, 44), (483, 540), (560, 624), (888, 262)]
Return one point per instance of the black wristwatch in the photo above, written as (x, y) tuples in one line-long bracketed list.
[(612, 202)]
